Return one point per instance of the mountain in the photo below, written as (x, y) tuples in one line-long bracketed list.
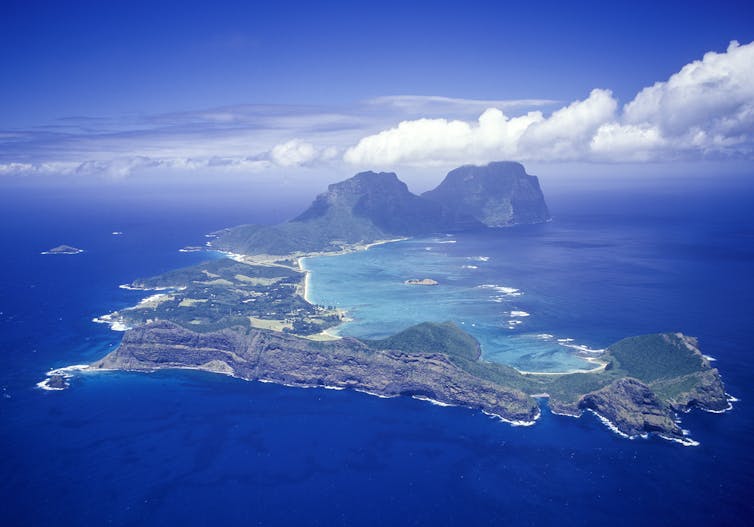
[(385, 201), (367, 207), (373, 206), (498, 194)]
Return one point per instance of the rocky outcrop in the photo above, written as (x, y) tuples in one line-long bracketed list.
[(702, 390), (345, 363), (632, 408), (57, 382), (64, 249), (498, 194), (421, 281), (673, 367)]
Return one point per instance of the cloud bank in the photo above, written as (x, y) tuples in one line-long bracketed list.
[(706, 110)]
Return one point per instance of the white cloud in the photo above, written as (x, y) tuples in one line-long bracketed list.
[(293, 153), (563, 135), (706, 109), (707, 106), (705, 92), (429, 104), (626, 142), (123, 167), (567, 132), (27, 169)]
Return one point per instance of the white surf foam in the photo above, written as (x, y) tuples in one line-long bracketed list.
[(431, 401), (513, 422), (608, 423), (500, 288), (581, 348), (130, 287), (685, 441), (115, 324)]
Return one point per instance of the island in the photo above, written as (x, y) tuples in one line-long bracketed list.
[(64, 249), (248, 316), (421, 281)]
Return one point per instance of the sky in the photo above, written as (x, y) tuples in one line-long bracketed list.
[(309, 92)]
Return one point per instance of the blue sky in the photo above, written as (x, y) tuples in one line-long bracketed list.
[(119, 88)]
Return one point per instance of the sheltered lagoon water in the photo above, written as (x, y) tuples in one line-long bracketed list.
[(473, 290)]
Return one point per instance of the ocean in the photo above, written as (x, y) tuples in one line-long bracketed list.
[(193, 448)]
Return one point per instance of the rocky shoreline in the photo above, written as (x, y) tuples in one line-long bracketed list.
[(627, 405), (345, 363)]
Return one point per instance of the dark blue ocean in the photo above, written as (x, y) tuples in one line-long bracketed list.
[(187, 448)]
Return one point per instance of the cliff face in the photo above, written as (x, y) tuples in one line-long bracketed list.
[(498, 194), (290, 360), (673, 366), (632, 407), (385, 201), (442, 363), (377, 205)]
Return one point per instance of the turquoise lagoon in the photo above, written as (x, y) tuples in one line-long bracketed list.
[(474, 290)]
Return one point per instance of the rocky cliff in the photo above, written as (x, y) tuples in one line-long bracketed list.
[(498, 194), (372, 206), (442, 363), (345, 363)]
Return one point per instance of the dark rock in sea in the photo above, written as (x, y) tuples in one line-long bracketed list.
[(64, 249), (498, 194), (57, 382), (421, 281)]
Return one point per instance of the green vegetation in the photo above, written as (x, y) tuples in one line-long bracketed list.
[(365, 208), (642, 381), (653, 357), (206, 271), (498, 374), (326, 234), (429, 337), (224, 293), (569, 388)]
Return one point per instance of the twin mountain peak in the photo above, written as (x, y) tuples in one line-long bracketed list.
[(373, 206)]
